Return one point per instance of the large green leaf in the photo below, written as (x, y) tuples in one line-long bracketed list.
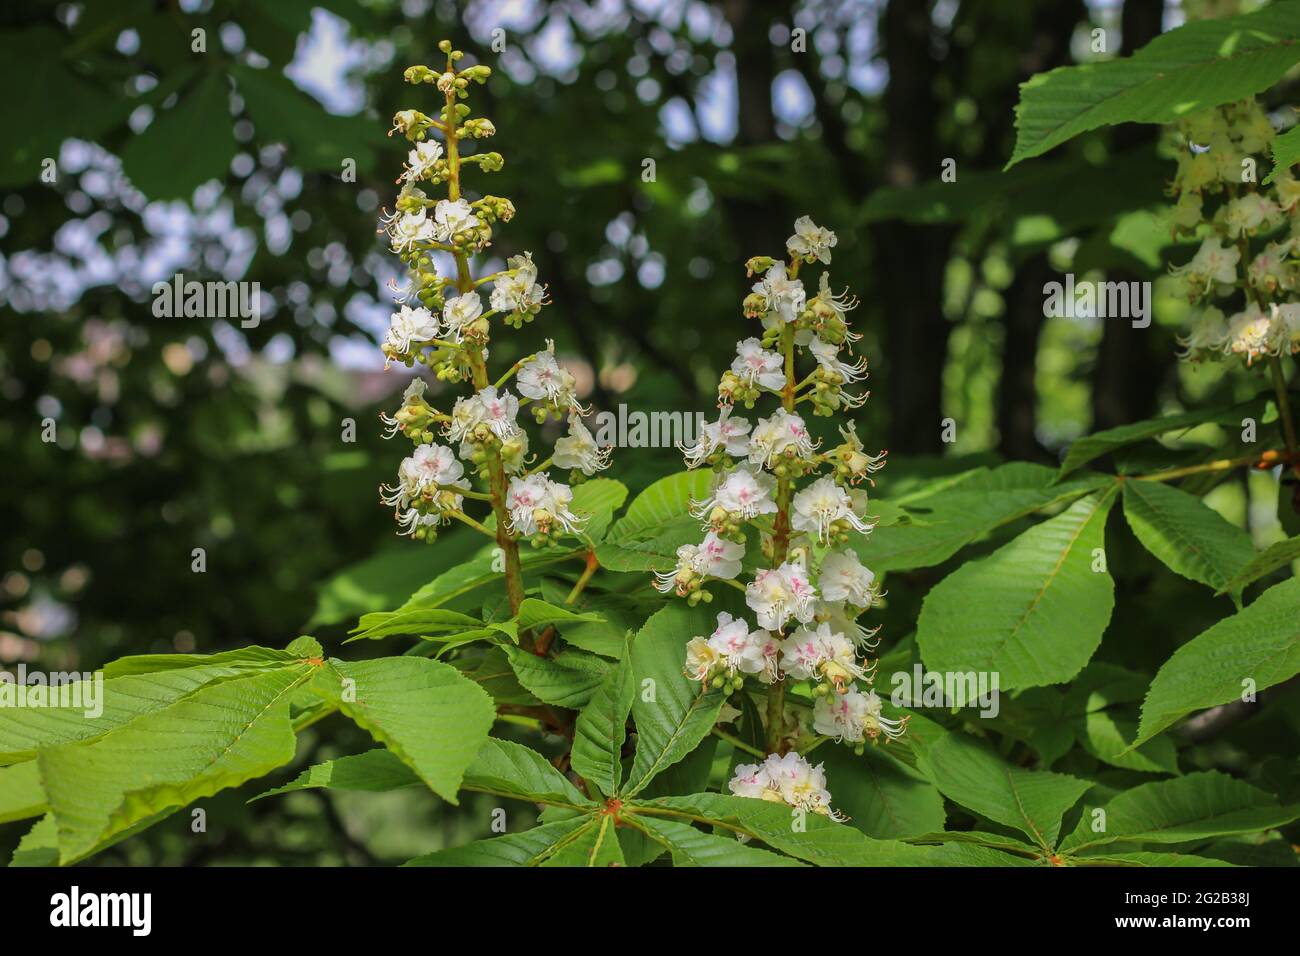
[(1195, 807), (1254, 649), (1190, 537), (1266, 562), (417, 621), (1101, 443), (1031, 801), (883, 798), (664, 501), (21, 795), (123, 699), (1033, 611), (807, 836), (672, 713), (602, 727), (692, 847), (1199, 65), (375, 771), (529, 848), (597, 499), (186, 145), (433, 718), (512, 770), (1286, 152), (951, 514), (566, 680), (219, 737), (595, 845)]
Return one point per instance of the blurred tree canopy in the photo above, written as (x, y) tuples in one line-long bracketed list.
[(651, 147)]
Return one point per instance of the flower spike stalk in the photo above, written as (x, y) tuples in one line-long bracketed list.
[(441, 323), (806, 505)]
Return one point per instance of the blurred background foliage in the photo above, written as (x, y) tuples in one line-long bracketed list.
[(231, 163)]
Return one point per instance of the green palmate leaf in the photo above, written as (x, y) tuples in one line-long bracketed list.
[(655, 551), (491, 670), (534, 614), (1286, 152), (242, 659), (186, 145), (122, 700), (806, 836), (530, 848), (1197, 66), (671, 713), (512, 770), (953, 513), (1264, 563), (1254, 649), (1191, 538), (1034, 610), (692, 847), (882, 797), (594, 845), (1103, 443), (419, 622), (601, 729), (375, 771), (219, 737), (1161, 860), (21, 795), (388, 578), (1031, 801), (433, 718), (566, 680), (598, 499), (667, 500), (483, 569), (1197, 806)]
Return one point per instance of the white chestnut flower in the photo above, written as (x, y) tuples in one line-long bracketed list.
[(1212, 263), (500, 409), (784, 434), (741, 650), (843, 619), (459, 312), (843, 577), (755, 366), (537, 504), (428, 466), (854, 717), (408, 229), (714, 557), (518, 291), (1209, 336), (752, 780), (821, 654), (702, 659), (1247, 214), (800, 784), (827, 355), (778, 594), (743, 494), (782, 296), (578, 450), (451, 217), (410, 327), (810, 241), (422, 159), (823, 504), (728, 433), (544, 379)]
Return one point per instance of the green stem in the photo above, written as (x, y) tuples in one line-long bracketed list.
[(478, 369), (781, 546)]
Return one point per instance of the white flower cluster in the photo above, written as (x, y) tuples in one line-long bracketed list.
[(788, 779), (1250, 257), (441, 322), (771, 476)]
